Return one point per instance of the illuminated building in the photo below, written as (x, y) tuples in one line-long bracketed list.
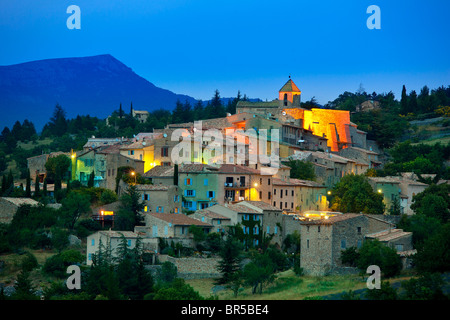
[(334, 125)]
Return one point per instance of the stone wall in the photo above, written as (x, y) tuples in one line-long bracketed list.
[(193, 268)]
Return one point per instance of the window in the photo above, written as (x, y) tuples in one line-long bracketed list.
[(176, 210), (218, 221), (285, 205), (268, 182), (166, 230), (359, 230), (281, 193), (274, 203), (292, 205), (275, 230), (359, 244), (93, 242), (318, 228), (343, 244), (129, 243), (274, 192), (307, 243), (260, 181), (399, 247), (210, 194), (146, 196), (269, 195), (188, 182), (164, 151), (175, 198), (205, 182), (145, 209), (268, 230), (90, 256), (286, 192), (292, 193), (255, 230), (260, 195), (189, 193)]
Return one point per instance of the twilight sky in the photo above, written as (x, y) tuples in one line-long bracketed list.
[(194, 47)]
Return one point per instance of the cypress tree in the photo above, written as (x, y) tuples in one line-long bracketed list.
[(28, 185), (404, 101), (44, 188), (3, 190), (37, 191), (91, 180)]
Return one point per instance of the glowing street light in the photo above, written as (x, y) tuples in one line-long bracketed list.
[(380, 191), (134, 175)]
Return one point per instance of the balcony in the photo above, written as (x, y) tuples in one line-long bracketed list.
[(237, 185)]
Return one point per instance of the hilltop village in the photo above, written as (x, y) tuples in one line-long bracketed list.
[(235, 171)]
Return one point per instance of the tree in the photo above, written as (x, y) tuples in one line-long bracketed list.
[(24, 288), (130, 212), (73, 206), (259, 272), (230, 258), (167, 274), (90, 183), (37, 191), (434, 255), (433, 202), (386, 292), (354, 194), (426, 287), (404, 101), (179, 290), (373, 252), (57, 168), (412, 104), (302, 170), (28, 185)]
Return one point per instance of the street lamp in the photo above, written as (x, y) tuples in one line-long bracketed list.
[(134, 175)]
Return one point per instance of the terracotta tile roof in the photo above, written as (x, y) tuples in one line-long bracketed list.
[(151, 187), (290, 86), (388, 235), (179, 219), (195, 167), (21, 201), (261, 205), (233, 168), (115, 148), (240, 208), (297, 182), (118, 234), (332, 219), (211, 214), (258, 104), (159, 171)]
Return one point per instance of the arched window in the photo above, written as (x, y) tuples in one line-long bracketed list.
[(285, 99)]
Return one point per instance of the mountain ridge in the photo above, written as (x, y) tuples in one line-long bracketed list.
[(93, 85)]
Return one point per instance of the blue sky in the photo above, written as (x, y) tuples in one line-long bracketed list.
[(194, 47)]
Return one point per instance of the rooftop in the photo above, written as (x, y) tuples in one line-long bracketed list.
[(21, 201), (211, 214), (290, 86), (261, 205), (388, 235), (151, 187), (178, 219)]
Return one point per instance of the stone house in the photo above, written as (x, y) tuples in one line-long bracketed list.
[(365, 155), (9, 206), (36, 164), (218, 221), (390, 189), (172, 226), (108, 240), (323, 239), (273, 220), (249, 217), (104, 162), (295, 195), (159, 198)]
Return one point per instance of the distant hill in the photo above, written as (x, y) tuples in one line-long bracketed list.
[(89, 85)]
